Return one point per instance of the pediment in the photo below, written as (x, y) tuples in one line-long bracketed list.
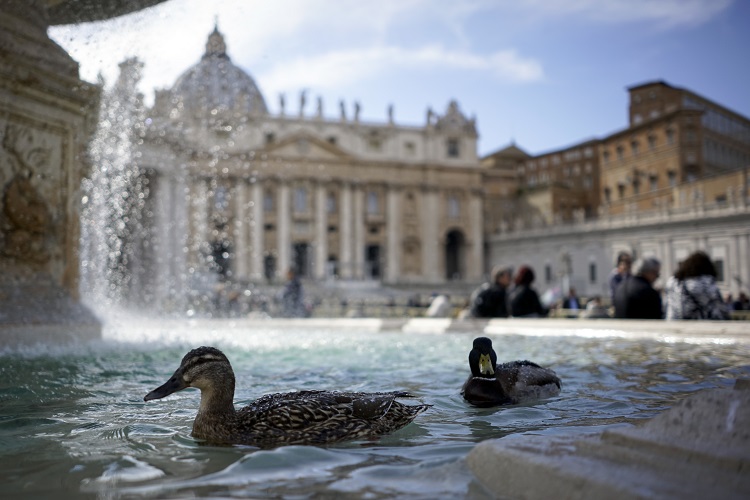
[(306, 146)]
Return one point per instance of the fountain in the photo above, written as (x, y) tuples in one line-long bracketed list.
[(74, 421)]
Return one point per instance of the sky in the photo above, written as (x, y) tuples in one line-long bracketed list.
[(543, 74)]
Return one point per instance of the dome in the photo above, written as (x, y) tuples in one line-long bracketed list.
[(216, 86)]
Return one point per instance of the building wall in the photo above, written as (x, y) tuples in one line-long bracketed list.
[(722, 231)]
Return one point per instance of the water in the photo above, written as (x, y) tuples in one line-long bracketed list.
[(73, 422)]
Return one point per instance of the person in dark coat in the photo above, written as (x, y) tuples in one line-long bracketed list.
[(524, 301), (292, 305), (635, 297), (619, 273), (490, 300)]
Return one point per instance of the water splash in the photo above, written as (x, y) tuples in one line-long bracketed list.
[(114, 195)]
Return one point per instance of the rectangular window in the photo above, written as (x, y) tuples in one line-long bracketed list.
[(548, 273), (454, 208), (268, 201), (670, 136), (373, 203), (331, 203), (454, 151), (300, 200), (719, 266), (654, 182), (592, 272)]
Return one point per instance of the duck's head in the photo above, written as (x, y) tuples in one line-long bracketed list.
[(482, 358), (205, 368)]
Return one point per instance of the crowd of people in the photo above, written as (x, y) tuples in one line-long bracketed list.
[(690, 293)]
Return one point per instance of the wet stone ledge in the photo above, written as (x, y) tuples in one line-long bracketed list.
[(698, 449)]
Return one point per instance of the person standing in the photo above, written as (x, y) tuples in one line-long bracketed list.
[(292, 305), (524, 301), (619, 273), (692, 292), (635, 297), (490, 300)]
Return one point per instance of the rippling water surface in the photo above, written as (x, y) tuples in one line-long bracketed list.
[(73, 422)]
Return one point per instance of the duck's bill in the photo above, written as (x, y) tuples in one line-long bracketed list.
[(174, 384), (485, 365)]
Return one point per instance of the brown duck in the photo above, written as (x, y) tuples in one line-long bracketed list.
[(304, 417), (515, 382)]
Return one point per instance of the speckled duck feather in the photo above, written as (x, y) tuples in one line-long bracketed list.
[(304, 417)]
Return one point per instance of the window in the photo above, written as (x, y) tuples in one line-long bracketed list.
[(634, 147), (270, 138), (605, 156), (548, 273), (373, 203), (268, 201), (651, 142), (454, 207), (719, 266), (375, 144), (332, 140), (672, 176), (607, 194), (636, 186), (331, 203), (620, 152), (654, 182), (221, 198), (592, 272), (670, 136), (453, 148), (621, 190), (410, 148), (300, 200)]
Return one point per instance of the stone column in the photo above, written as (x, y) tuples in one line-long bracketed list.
[(240, 229), (744, 262), (284, 228), (430, 239), (345, 217), (666, 258), (320, 239), (199, 223), (393, 241), (164, 197), (359, 233), (256, 233), (732, 262), (475, 263)]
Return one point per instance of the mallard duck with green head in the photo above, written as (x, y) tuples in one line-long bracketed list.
[(492, 384), (304, 417)]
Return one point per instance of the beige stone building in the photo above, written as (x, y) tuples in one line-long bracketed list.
[(672, 182), (332, 197), (675, 137)]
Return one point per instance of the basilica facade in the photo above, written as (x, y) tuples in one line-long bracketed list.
[(241, 193)]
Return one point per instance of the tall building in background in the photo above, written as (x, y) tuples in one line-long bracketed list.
[(259, 193), (675, 180)]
